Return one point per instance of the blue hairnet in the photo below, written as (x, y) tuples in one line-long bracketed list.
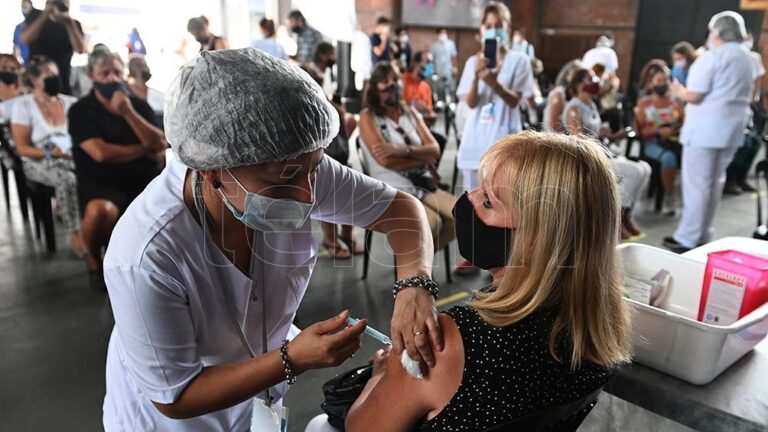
[(238, 107)]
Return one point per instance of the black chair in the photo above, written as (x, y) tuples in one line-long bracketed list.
[(42, 212), (560, 418), (761, 176), (10, 161), (369, 233), (38, 194), (656, 187)]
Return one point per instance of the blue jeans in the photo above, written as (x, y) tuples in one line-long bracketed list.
[(667, 158)]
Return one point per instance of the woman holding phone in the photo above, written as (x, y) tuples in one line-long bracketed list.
[(492, 85)]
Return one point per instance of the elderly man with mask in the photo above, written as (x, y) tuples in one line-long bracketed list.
[(206, 269), (718, 94)]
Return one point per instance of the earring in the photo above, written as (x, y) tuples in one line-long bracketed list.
[(216, 184)]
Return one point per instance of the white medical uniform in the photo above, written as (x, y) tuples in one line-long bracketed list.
[(712, 132), (166, 282), (492, 119)]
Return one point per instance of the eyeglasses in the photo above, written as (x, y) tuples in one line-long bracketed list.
[(406, 138)]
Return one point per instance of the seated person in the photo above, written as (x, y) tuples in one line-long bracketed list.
[(39, 127), (556, 98), (138, 75), (268, 42), (400, 150), (417, 92), (581, 116), (10, 87), (659, 120), (323, 60), (551, 328), (338, 245), (117, 150)]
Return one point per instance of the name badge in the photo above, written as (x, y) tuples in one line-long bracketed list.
[(268, 419), (486, 113)]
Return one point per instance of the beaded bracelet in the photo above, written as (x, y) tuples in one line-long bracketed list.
[(416, 281), (287, 363)]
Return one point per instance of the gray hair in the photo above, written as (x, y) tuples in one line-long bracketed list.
[(729, 25), (100, 56)]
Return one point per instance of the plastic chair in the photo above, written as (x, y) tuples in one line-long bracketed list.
[(42, 212), (369, 233), (12, 162), (559, 418)]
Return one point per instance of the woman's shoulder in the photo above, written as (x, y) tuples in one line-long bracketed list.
[(23, 102), (21, 107)]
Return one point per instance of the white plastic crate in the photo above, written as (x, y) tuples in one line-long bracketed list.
[(670, 339)]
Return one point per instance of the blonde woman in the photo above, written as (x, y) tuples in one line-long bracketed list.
[(552, 327)]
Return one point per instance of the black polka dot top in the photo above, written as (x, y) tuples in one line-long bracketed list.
[(509, 372)]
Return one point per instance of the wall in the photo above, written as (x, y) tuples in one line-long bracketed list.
[(421, 37), (583, 22), (560, 18), (560, 30)]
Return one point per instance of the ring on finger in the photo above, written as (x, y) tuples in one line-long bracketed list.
[(417, 332)]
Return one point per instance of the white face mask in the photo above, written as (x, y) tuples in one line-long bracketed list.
[(269, 214), (681, 63), (404, 39), (442, 37)]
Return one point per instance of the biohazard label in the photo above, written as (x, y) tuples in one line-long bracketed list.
[(726, 293)]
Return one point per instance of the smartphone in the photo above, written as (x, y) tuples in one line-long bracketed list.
[(61, 6), (491, 47)]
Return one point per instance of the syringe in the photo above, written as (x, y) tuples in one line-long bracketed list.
[(370, 331)]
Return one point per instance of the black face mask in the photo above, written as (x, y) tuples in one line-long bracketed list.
[(203, 40), (661, 90), (485, 246), (394, 96), (9, 77), (108, 89), (331, 62), (296, 29), (146, 75), (52, 85)]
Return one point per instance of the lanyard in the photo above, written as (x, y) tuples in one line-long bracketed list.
[(230, 302)]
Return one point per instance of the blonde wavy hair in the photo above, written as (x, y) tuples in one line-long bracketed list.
[(566, 198)]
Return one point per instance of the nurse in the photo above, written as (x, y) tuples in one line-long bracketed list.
[(207, 267), (493, 94), (718, 94)]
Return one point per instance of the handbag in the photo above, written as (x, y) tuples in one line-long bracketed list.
[(342, 391)]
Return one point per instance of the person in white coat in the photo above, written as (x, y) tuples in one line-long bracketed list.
[(718, 94), (207, 267), (493, 94)]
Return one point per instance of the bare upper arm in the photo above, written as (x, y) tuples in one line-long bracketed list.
[(425, 134), (22, 134), (399, 401), (573, 123), (372, 137)]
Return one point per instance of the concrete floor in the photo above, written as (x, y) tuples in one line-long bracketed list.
[(54, 329)]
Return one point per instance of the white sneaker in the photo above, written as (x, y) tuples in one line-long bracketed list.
[(670, 206)]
